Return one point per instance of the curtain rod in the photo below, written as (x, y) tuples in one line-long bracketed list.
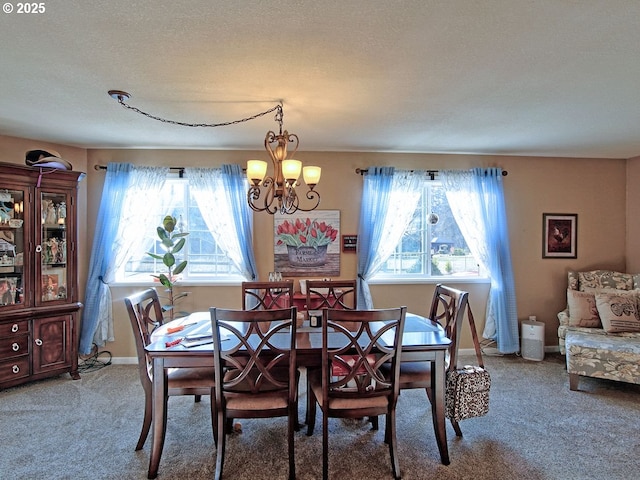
[(180, 170), (431, 173)]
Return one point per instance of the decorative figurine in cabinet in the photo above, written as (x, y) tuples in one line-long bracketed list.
[(38, 273)]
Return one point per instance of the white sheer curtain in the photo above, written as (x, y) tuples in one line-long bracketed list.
[(144, 209), (130, 208), (476, 199), (211, 189), (387, 210), (142, 213), (467, 210)]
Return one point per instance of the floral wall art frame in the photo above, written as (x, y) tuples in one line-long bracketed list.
[(559, 235), (307, 244)]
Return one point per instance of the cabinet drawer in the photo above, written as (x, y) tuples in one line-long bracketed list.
[(14, 346), (12, 370), (14, 328)]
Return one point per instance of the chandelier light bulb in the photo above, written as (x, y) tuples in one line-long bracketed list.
[(311, 175), (256, 170), (291, 170)]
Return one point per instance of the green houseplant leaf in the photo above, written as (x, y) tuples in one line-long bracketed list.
[(173, 241)]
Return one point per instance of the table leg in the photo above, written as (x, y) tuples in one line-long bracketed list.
[(159, 415), (437, 407)]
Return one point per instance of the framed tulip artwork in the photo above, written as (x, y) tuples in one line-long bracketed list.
[(307, 243), (559, 238)]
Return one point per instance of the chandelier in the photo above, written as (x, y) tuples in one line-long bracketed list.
[(267, 193), (277, 192)]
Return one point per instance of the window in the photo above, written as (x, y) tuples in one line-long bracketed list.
[(431, 248), (206, 261)]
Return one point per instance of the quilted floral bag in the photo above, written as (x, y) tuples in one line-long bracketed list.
[(467, 389)]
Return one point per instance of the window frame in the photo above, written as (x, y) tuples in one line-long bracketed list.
[(412, 279), (146, 279)]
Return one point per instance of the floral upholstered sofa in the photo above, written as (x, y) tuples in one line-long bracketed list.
[(600, 329)]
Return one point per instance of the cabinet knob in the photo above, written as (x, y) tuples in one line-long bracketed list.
[(15, 347), (38, 342), (14, 328), (15, 369)]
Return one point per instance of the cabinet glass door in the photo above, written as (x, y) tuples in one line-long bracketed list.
[(53, 244), (11, 247)]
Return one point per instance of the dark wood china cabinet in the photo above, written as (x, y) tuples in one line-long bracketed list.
[(38, 273)]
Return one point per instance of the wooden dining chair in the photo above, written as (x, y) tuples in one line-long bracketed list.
[(323, 294), (351, 382), (447, 308), (267, 295), (331, 294), (145, 313), (256, 375)]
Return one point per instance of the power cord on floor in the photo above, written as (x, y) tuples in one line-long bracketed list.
[(94, 360), (492, 345)]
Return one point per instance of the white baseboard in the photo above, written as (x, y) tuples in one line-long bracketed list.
[(124, 360), (494, 351)]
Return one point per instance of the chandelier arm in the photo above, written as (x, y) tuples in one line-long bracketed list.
[(292, 137), (255, 192), (313, 196)]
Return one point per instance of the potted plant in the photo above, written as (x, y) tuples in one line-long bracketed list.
[(173, 241)]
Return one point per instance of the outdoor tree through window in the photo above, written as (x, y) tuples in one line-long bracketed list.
[(431, 248)]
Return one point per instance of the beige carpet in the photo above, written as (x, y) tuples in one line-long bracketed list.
[(536, 429)]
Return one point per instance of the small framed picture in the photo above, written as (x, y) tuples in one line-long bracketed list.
[(559, 235), (349, 243)]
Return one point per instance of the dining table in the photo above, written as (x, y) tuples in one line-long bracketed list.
[(422, 340)]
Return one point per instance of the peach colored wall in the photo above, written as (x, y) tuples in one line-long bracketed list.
[(592, 188), (602, 192), (633, 215)]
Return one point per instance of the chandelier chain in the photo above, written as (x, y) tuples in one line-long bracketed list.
[(275, 192), (277, 109)]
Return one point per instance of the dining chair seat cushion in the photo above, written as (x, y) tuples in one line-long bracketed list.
[(267, 401), (345, 403), (190, 377)]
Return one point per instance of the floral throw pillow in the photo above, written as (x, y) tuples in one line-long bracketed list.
[(582, 309), (618, 313), (605, 279)]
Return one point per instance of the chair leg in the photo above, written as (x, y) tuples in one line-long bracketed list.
[(307, 413), (292, 424), (456, 428), (574, 381), (214, 418), (311, 412), (220, 444), (197, 398), (146, 422), (229, 425), (429, 395), (374, 422), (391, 423), (325, 446)]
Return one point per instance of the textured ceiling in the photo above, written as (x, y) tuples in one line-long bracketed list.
[(512, 77)]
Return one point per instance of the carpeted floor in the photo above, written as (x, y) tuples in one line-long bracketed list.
[(536, 429)]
